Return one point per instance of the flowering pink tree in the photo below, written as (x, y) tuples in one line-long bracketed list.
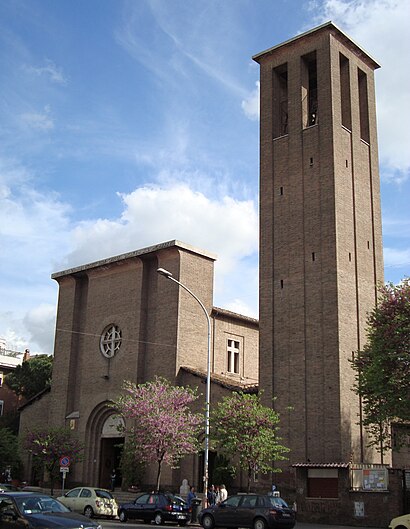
[(248, 431), (49, 444), (159, 420), (383, 365)]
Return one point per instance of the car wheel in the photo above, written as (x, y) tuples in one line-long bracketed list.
[(207, 521), (158, 518), (88, 511), (122, 516), (259, 523)]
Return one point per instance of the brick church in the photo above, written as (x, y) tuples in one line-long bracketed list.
[(117, 320), (320, 264)]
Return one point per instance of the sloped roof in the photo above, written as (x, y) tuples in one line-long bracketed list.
[(222, 380)]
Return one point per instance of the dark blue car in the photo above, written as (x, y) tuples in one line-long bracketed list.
[(29, 510), (159, 507)]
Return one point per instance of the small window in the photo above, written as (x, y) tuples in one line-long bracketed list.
[(368, 245), (322, 483), (142, 499), (281, 283), (311, 162), (73, 493), (350, 257), (85, 493), (281, 190), (249, 502), (1, 379), (233, 501), (233, 356), (313, 256), (1, 407)]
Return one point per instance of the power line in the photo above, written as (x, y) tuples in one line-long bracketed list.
[(122, 339)]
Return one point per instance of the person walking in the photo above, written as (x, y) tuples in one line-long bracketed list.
[(191, 496), (223, 493), (113, 479), (211, 496)]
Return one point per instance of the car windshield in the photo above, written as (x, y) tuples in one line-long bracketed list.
[(277, 502), (38, 504)]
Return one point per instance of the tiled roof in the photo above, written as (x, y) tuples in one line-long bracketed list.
[(321, 465), (224, 381), (216, 311)]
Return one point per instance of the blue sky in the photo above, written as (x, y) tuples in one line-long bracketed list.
[(129, 123)]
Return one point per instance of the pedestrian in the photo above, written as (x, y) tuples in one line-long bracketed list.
[(113, 479), (211, 496), (223, 493), (217, 495), (191, 496)]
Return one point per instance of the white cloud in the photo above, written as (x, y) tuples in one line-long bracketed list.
[(250, 105), (37, 120), (33, 231), (394, 257), (50, 70), (40, 323), (153, 214), (381, 28)]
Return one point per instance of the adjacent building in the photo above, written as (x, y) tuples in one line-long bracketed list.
[(9, 360)]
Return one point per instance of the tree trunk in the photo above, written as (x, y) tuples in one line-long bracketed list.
[(249, 479), (158, 474)]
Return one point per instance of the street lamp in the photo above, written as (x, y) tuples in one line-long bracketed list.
[(168, 275)]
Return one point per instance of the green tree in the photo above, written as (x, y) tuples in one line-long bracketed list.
[(223, 472), (32, 376), (245, 429), (132, 468), (160, 422), (11, 420), (383, 365), (49, 444), (9, 453)]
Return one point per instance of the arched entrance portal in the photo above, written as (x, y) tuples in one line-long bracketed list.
[(112, 444), (103, 444)]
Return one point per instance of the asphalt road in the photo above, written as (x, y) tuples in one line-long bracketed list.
[(109, 524)]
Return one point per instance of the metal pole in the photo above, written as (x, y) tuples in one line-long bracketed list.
[(168, 275)]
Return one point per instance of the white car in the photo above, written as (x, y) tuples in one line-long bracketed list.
[(401, 522), (90, 501)]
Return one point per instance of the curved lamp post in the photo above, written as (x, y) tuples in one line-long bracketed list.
[(168, 275)]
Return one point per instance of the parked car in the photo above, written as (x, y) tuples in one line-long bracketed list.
[(4, 487), (29, 510), (249, 510), (401, 522), (159, 507), (90, 501)]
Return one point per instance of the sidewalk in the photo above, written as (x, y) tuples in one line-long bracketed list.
[(305, 525)]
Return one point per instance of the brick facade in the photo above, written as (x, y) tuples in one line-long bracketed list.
[(320, 231), (163, 332), (320, 260)]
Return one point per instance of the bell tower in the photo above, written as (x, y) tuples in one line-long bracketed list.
[(320, 238)]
